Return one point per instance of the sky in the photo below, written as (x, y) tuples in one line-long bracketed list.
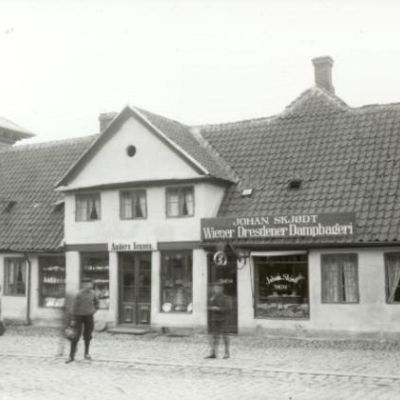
[(197, 61)]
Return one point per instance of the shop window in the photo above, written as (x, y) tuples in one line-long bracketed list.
[(392, 263), (88, 207), (15, 277), (281, 286), (133, 204), (339, 278), (180, 202), (176, 281), (52, 281), (95, 266)]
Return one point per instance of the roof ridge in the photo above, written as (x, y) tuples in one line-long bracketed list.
[(50, 143)]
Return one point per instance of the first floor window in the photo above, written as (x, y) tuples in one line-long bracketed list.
[(133, 204), (176, 281), (52, 281), (15, 277), (88, 207), (95, 266), (281, 286), (392, 262), (180, 202), (339, 278)]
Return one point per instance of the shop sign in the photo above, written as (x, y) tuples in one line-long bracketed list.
[(117, 246), (279, 226)]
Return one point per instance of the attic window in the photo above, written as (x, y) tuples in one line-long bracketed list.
[(247, 192), (10, 205), (131, 150), (295, 184)]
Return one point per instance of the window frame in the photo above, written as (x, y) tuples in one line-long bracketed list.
[(387, 277), (254, 266), (131, 191), (87, 194), (40, 267), (323, 275), (88, 254), (185, 253), (180, 190), (6, 291)]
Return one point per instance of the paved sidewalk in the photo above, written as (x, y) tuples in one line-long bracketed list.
[(158, 367)]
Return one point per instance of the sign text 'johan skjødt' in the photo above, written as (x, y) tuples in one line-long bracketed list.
[(281, 226)]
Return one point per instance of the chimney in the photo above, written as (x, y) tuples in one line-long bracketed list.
[(105, 119), (323, 73)]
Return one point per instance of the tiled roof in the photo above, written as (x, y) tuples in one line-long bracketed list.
[(347, 158), (193, 144), (29, 218)]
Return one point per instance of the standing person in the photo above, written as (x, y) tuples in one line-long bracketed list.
[(66, 318), (84, 306), (220, 307)]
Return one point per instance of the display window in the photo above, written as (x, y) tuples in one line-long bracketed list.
[(95, 266), (339, 278), (392, 264), (281, 286), (176, 281), (52, 281)]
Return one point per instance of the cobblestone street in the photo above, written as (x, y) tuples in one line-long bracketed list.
[(155, 367)]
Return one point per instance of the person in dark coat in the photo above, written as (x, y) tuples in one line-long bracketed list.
[(84, 306), (220, 308)]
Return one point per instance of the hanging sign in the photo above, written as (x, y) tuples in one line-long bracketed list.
[(117, 246), (279, 226), (220, 259)]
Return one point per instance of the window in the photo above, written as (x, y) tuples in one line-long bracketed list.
[(281, 286), (88, 207), (180, 202), (133, 204), (15, 277), (392, 263), (176, 281), (52, 281), (95, 266), (339, 278)]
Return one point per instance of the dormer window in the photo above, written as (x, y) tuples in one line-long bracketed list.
[(295, 184), (87, 207)]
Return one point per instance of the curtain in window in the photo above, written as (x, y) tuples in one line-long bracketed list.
[(350, 279), (188, 202), (331, 280), (173, 203), (81, 210), (139, 205), (393, 274), (126, 205), (94, 207)]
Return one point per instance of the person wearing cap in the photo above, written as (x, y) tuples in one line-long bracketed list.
[(84, 306), (220, 310)]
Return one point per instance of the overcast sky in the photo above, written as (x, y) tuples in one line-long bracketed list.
[(197, 61)]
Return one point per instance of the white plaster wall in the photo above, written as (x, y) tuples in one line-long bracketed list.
[(371, 315), (153, 159), (156, 227)]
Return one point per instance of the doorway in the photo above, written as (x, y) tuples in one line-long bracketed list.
[(227, 274), (134, 288)]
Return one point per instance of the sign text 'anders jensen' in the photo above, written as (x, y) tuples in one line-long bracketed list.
[(263, 227)]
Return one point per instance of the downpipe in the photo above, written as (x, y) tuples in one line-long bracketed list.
[(28, 320)]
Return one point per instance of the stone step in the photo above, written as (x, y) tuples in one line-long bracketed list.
[(131, 330)]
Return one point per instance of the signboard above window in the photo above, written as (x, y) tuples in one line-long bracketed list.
[(279, 226)]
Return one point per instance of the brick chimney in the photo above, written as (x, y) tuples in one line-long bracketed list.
[(105, 119), (323, 73)]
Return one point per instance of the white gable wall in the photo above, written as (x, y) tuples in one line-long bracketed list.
[(153, 160)]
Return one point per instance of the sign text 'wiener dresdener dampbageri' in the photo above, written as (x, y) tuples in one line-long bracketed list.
[(278, 226)]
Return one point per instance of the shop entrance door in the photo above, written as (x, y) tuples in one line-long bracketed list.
[(134, 288), (228, 275)]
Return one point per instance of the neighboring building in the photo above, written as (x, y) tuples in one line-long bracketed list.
[(298, 213)]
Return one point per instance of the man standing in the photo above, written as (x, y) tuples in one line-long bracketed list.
[(220, 307), (84, 306)]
